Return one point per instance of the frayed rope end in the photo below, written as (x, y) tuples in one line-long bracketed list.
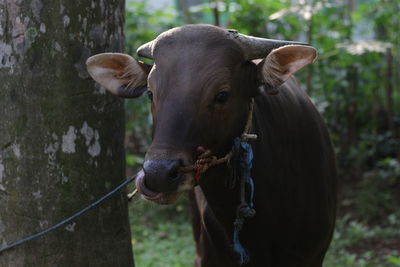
[(242, 253)]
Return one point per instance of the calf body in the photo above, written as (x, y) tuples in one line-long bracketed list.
[(295, 190), (200, 87)]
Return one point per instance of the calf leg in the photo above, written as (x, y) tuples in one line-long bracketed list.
[(196, 225), (212, 245)]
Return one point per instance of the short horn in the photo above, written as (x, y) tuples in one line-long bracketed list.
[(254, 47), (146, 50)]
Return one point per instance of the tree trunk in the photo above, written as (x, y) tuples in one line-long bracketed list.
[(215, 7), (186, 16), (352, 107), (61, 138), (389, 91)]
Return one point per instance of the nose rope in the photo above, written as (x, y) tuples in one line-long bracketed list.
[(206, 160), (242, 154)]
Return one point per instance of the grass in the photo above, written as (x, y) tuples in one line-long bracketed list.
[(162, 237), (356, 244)]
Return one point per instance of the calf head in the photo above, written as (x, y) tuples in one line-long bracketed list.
[(200, 86)]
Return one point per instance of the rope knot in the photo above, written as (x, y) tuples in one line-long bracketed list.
[(205, 160), (245, 211)]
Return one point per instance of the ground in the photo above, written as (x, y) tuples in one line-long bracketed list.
[(162, 237)]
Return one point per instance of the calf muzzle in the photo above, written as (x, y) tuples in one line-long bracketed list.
[(162, 175)]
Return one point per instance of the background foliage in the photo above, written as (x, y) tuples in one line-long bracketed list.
[(355, 84)]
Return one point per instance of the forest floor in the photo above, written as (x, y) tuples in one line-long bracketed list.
[(162, 237)]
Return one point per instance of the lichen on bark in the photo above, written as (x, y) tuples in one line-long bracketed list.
[(44, 92)]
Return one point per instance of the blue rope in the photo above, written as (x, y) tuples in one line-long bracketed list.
[(243, 254), (66, 221), (246, 165), (244, 159)]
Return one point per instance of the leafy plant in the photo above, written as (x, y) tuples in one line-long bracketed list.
[(355, 84)]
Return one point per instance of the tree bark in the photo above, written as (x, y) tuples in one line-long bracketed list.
[(215, 7), (61, 138), (186, 16), (389, 91), (310, 69)]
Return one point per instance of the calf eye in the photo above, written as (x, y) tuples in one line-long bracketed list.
[(150, 95), (221, 97)]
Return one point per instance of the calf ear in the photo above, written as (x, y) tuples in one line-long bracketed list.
[(119, 73), (282, 63)]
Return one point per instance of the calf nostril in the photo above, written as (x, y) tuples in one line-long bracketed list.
[(174, 175)]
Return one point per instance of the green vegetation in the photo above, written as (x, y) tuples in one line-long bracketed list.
[(355, 83), (162, 236), (356, 244)]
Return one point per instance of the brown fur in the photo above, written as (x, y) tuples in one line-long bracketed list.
[(294, 169)]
